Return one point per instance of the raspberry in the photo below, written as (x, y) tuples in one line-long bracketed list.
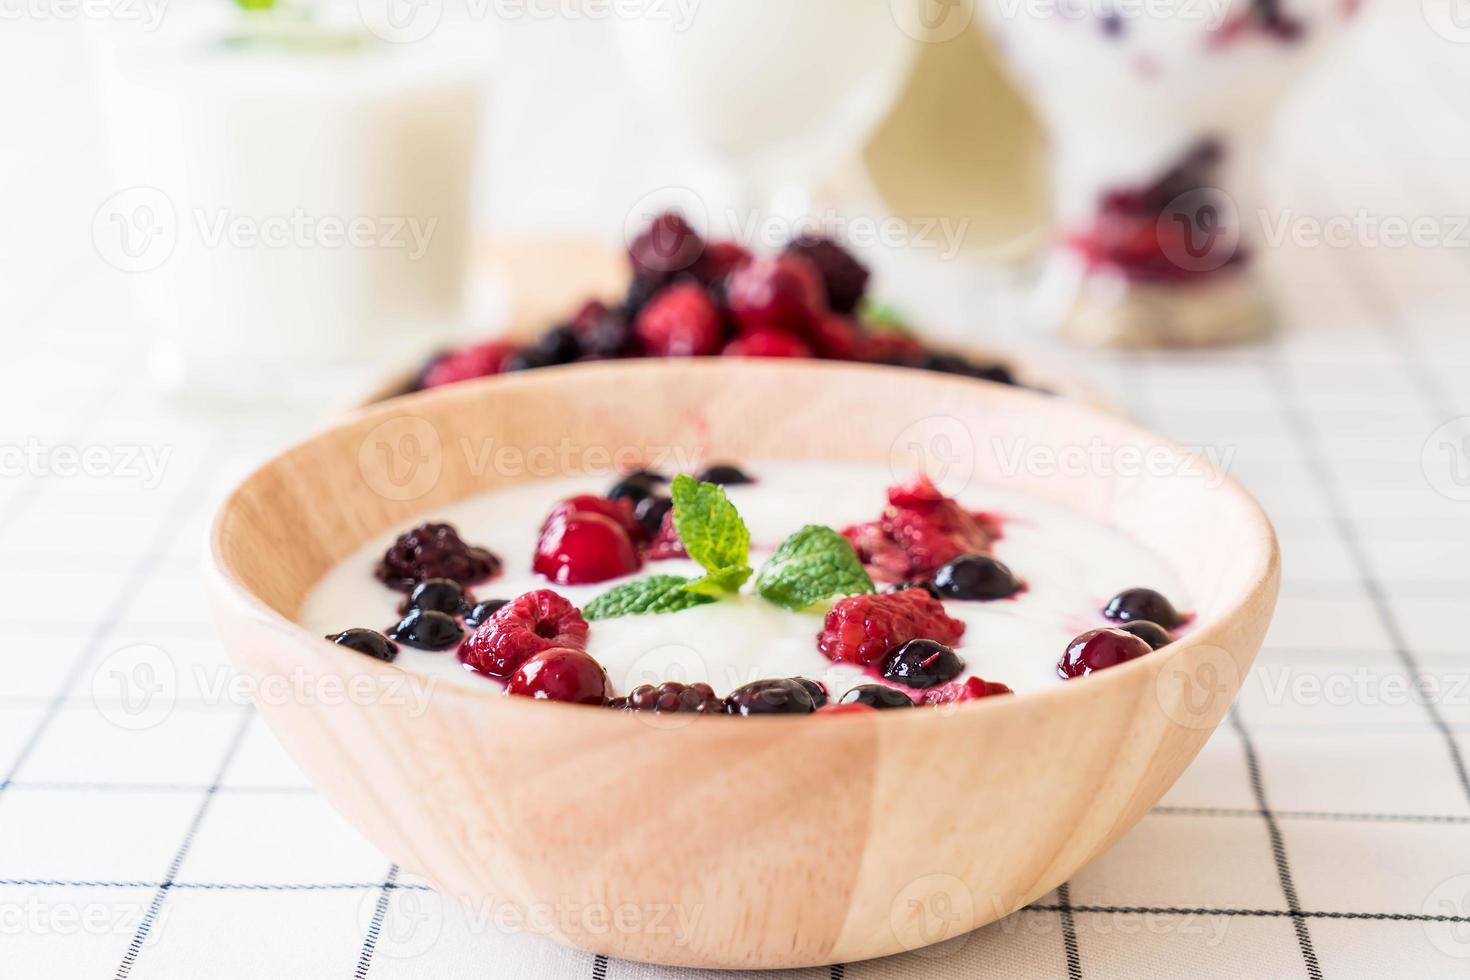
[(844, 277), (522, 628), (767, 343), (665, 543), (434, 551), (919, 531), (681, 321), (474, 361), (696, 698), (666, 246), (969, 690), (862, 629), (784, 294)]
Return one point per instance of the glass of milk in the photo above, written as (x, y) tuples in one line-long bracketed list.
[(293, 196), (1156, 115)]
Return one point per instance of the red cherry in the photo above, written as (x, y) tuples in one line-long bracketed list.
[(585, 547), (767, 343), (561, 674), (783, 294), (1100, 649), (681, 321), (474, 361), (620, 511)]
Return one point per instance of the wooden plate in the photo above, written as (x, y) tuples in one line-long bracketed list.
[(736, 842)]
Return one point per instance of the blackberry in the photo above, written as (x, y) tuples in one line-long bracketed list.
[(427, 630), (845, 278), (672, 696), (434, 551), (559, 345), (367, 641)]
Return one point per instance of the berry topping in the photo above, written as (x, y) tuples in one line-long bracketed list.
[(560, 674), (1132, 604), (844, 277), (584, 547), (434, 551), (725, 474), (367, 641), (767, 343), (682, 321), (920, 530), (482, 611), (969, 690), (784, 294), (876, 696), (1151, 633), (666, 246), (816, 689), (776, 696), (672, 696), (1099, 649), (862, 629), (919, 583), (521, 628), (437, 595), (427, 629), (922, 663), (474, 361), (976, 577), (718, 261)]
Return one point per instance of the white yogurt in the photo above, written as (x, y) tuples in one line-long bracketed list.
[(1071, 566)]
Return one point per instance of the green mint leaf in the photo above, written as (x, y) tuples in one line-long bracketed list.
[(720, 582), (709, 525), (655, 594), (813, 564)]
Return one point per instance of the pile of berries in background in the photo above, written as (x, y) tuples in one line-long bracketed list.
[(692, 298)]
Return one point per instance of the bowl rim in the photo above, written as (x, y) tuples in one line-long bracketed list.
[(1262, 576)]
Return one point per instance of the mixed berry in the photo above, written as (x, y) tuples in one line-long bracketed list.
[(694, 298), (924, 548)]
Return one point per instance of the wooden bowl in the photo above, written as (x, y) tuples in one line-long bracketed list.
[(739, 842)]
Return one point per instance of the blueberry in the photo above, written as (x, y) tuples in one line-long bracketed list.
[(636, 485), (482, 611), (815, 689), (922, 663), (427, 629), (1134, 604), (1151, 633), (924, 584), (650, 512), (559, 345), (725, 474), (367, 641), (438, 595), (975, 577), (528, 359), (776, 696), (877, 696)]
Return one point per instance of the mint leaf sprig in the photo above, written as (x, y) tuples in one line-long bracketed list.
[(813, 564)]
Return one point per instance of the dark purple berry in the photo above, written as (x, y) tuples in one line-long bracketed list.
[(877, 696), (437, 595), (650, 511), (921, 664), (671, 696), (924, 584), (636, 485), (482, 611), (946, 363), (1133, 604), (1099, 650), (434, 551), (1151, 633), (367, 641), (725, 474), (667, 246), (559, 345), (427, 630), (775, 696), (816, 689), (845, 278), (975, 576)]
